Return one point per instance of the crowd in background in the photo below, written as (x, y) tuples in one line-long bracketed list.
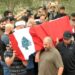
[(9, 23)]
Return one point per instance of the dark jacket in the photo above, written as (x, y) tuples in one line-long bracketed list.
[(60, 15), (68, 57)]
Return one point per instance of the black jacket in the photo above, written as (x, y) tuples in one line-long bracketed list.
[(68, 57)]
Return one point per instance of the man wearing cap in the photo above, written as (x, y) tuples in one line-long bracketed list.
[(67, 51)]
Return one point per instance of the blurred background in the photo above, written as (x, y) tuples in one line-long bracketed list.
[(18, 5)]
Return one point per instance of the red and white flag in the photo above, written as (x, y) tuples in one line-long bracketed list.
[(22, 43), (29, 40)]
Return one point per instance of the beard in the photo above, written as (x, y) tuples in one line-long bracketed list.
[(47, 49)]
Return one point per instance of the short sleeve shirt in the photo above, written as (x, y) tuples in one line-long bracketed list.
[(49, 63)]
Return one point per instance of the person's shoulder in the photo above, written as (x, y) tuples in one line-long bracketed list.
[(60, 44), (4, 36), (55, 51)]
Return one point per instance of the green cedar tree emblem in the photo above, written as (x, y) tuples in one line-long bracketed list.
[(25, 43)]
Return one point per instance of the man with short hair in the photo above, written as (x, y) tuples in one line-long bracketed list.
[(61, 12), (8, 30), (8, 13), (50, 59)]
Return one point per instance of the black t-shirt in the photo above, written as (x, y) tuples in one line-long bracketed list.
[(17, 68), (68, 56)]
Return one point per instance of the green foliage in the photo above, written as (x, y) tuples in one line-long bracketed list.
[(69, 4), (14, 5)]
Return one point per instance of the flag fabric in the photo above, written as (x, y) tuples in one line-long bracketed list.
[(22, 43), (54, 28), (57, 27), (29, 40), (38, 35)]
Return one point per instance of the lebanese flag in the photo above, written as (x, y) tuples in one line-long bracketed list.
[(26, 41), (29, 40), (22, 43)]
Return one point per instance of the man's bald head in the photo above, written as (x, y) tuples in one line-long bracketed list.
[(47, 39), (47, 43)]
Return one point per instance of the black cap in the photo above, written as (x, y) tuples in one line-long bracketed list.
[(67, 35)]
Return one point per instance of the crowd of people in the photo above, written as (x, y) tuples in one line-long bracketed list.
[(53, 59)]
